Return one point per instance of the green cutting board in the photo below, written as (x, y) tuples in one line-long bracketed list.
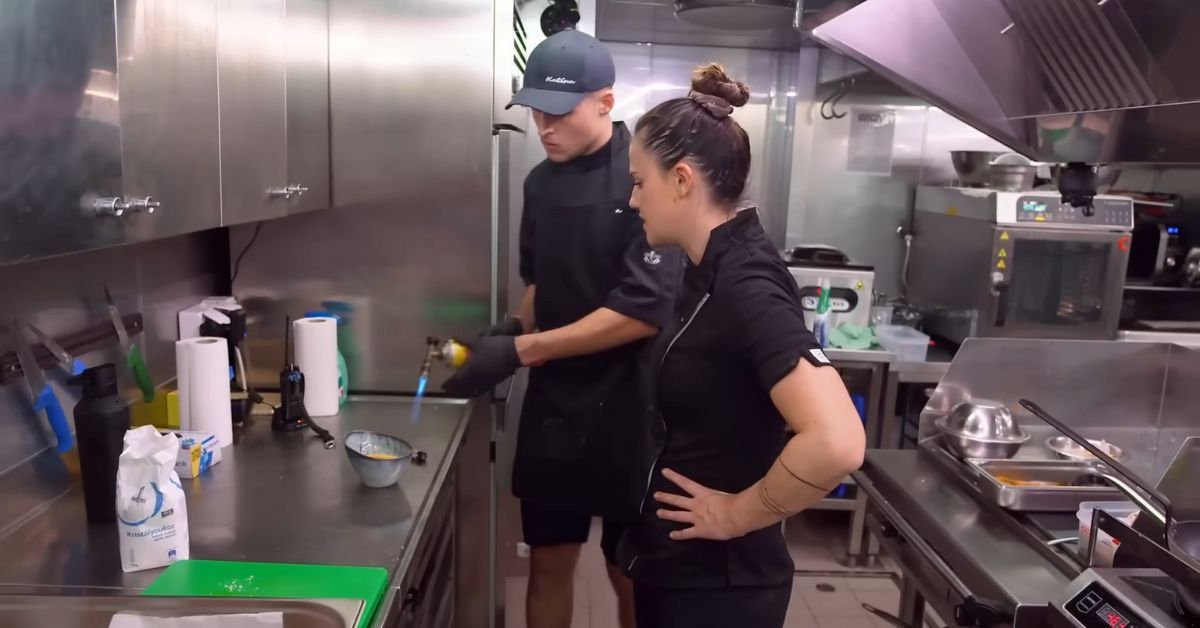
[(220, 578)]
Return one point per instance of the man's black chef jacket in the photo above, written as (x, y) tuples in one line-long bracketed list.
[(583, 443), (737, 331)]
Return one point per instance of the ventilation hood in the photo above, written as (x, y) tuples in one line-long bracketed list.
[(1097, 81)]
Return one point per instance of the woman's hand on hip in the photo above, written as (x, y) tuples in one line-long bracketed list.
[(712, 514)]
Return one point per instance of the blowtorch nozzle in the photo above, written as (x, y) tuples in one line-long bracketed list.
[(449, 352)]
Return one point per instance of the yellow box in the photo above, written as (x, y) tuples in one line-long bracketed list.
[(172, 410), (163, 412)]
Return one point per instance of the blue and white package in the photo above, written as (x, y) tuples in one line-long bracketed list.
[(151, 508)]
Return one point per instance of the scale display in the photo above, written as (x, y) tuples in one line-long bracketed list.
[(1113, 617), (1096, 607)]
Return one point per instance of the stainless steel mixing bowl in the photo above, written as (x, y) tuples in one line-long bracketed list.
[(973, 166), (982, 428)]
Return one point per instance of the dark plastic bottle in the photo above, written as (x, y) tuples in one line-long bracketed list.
[(101, 420)]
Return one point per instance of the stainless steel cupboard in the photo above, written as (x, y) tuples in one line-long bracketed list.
[(169, 115), (274, 105), (60, 127), (140, 119)]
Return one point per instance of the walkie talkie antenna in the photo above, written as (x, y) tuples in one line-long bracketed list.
[(287, 341)]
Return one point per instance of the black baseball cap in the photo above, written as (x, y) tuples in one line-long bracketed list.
[(562, 70)]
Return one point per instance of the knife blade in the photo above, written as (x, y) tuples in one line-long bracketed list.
[(68, 363), (41, 394), (133, 353), (118, 324)]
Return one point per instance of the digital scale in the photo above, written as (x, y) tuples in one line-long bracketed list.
[(1142, 596), (1124, 598)]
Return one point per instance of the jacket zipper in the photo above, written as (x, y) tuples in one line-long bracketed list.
[(654, 465)]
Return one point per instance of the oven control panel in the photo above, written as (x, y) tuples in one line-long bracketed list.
[(1095, 607), (1107, 212)]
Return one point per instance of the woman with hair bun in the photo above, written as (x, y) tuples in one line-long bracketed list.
[(733, 370)]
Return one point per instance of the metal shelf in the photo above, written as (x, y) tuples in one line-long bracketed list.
[(833, 503)]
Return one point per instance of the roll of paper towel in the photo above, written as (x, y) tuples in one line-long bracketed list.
[(316, 357), (202, 367)]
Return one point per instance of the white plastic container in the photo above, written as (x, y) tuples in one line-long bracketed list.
[(1106, 546), (908, 344)]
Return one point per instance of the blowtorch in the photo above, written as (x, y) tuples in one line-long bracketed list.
[(449, 352)]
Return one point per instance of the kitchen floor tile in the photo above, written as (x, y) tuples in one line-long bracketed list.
[(845, 622), (839, 602), (514, 604), (798, 618), (882, 600), (872, 583)]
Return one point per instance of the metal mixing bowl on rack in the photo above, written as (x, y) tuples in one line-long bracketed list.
[(981, 428)]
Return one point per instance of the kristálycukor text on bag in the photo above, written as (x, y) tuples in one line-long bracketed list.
[(151, 511)]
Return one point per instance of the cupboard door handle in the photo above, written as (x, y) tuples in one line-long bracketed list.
[(145, 204), (109, 206), (296, 189), (282, 192)]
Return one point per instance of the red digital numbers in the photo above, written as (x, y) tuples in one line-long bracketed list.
[(1113, 618)]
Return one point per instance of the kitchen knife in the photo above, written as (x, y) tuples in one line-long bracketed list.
[(133, 353), (69, 364), (40, 392)]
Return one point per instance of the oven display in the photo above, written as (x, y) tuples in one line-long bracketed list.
[(1112, 617), (1033, 206)]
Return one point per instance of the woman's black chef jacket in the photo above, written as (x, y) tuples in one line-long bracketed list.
[(582, 443), (737, 332)]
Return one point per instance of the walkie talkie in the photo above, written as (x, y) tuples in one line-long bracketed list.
[(291, 414)]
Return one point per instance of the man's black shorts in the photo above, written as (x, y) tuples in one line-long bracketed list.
[(544, 526)]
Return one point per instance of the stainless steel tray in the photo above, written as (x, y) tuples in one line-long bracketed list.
[(986, 476), (43, 610)]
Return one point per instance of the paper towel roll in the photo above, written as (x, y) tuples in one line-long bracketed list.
[(316, 357), (202, 365)]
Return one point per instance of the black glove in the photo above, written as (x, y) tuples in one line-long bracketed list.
[(493, 359), (508, 327)]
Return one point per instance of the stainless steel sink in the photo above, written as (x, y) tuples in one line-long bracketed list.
[(27, 611)]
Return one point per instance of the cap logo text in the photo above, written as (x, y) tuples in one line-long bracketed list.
[(560, 80)]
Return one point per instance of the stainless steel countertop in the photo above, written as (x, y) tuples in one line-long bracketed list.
[(272, 498), (928, 372), (860, 355), (1182, 339), (983, 551)]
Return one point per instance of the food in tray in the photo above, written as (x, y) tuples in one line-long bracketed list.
[(1011, 481), (1087, 479)]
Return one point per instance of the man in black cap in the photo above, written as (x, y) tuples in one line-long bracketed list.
[(596, 291)]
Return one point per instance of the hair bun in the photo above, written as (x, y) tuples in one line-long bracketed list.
[(712, 80)]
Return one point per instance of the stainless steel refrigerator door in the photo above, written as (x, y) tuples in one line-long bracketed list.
[(508, 173)]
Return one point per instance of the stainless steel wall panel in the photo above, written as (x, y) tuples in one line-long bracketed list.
[(65, 293), (252, 59), (648, 75), (306, 37), (411, 114), (168, 93)]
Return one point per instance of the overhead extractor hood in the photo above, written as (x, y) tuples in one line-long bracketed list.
[(1097, 81)]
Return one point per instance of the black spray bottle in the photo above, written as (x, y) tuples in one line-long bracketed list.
[(101, 420)]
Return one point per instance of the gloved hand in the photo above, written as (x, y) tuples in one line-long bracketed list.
[(508, 327), (493, 359)]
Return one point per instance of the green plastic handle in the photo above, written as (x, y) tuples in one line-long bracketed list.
[(141, 375)]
